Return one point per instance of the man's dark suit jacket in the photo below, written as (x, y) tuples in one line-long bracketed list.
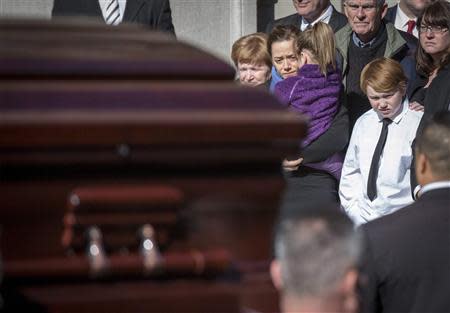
[(391, 14), (337, 21), (406, 260), (155, 14)]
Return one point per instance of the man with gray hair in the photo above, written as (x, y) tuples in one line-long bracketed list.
[(316, 255), (367, 37)]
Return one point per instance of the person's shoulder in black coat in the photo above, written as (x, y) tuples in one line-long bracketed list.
[(406, 261), (407, 57), (438, 96), (411, 41), (293, 19), (155, 14), (391, 14), (337, 20)]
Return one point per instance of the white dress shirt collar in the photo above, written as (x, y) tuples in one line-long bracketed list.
[(435, 185), (401, 112), (401, 21), (325, 17)]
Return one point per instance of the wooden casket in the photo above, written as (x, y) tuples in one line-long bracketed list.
[(135, 174)]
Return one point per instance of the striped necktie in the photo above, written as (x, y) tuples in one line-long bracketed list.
[(112, 12)]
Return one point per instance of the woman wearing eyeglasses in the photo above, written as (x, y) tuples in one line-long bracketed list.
[(432, 88)]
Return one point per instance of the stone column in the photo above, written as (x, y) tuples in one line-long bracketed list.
[(28, 8)]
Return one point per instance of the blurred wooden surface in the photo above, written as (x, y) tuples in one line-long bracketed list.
[(86, 107)]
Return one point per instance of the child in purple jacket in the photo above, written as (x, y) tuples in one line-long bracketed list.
[(315, 91)]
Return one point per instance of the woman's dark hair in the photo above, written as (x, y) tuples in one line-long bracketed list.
[(436, 14), (282, 33)]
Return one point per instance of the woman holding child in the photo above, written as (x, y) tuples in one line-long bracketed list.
[(315, 92)]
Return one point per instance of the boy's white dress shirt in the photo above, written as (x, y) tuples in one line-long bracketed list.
[(393, 183)]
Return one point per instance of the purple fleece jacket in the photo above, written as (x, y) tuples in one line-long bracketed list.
[(317, 96)]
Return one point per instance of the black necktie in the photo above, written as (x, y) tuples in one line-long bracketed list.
[(373, 173)]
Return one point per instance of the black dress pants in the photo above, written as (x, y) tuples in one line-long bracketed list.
[(308, 187)]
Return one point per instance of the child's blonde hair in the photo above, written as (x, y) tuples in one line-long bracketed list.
[(383, 75), (319, 41)]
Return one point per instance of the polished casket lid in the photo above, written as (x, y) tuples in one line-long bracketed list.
[(68, 83), (68, 48), (138, 128)]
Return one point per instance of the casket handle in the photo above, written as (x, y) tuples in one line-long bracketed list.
[(149, 249), (96, 252)]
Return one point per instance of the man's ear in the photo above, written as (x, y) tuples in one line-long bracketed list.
[(348, 291), (421, 167), (275, 273), (349, 281)]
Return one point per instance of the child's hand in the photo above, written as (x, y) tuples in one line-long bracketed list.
[(293, 165), (416, 106)]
